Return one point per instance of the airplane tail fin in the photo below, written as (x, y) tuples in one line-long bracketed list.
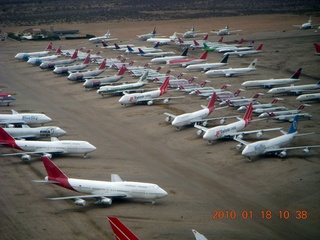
[(180, 40), (237, 92), (301, 107), (225, 59), (164, 86), (296, 75), (58, 52), (116, 46), (204, 56), (185, 52), (206, 37), (75, 54), (154, 31), (240, 41), (253, 64), (191, 79), (122, 70), (203, 83), (294, 126), (87, 59), (141, 51), (220, 40), (259, 48), (5, 138), (156, 45), (248, 114), (275, 100), (212, 101), (104, 44), (256, 95), (195, 42), (49, 47), (54, 173), (129, 48), (103, 64), (121, 231), (317, 46), (144, 76)]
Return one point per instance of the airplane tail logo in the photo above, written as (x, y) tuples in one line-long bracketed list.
[(185, 52), (212, 101), (253, 64), (121, 231), (58, 52), (196, 43), (294, 126), (220, 40), (75, 54), (260, 47), (296, 75), (225, 59), (248, 115)]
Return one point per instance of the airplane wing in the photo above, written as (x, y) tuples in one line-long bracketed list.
[(241, 141), (203, 129), (212, 119), (291, 148), (198, 235), (12, 122), (170, 115), (53, 151), (251, 132), (109, 195), (165, 99)]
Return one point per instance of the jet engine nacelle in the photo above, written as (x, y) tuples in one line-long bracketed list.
[(167, 100), (259, 134), (222, 121), (199, 132), (282, 154), (168, 119), (80, 202), (48, 155), (306, 150), (26, 157), (239, 146), (106, 201), (204, 123), (150, 102), (10, 126)]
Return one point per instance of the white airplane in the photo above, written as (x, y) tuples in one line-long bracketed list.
[(182, 42), (6, 98), (116, 46), (207, 66), (187, 61), (98, 82), (295, 89), (168, 58), (135, 50), (102, 191), (46, 148), (163, 40), (306, 25), (120, 89), (272, 112), (273, 82), (52, 64), (317, 47), (274, 145), (263, 105), (233, 48), (154, 54), (232, 71), (104, 38), (76, 67), (192, 33), (26, 132), (26, 56), (194, 117), (247, 52), (233, 102), (38, 60), (147, 97), (232, 129), (290, 117), (309, 97), (225, 31), (24, 118), (264, 110), (199, 44), (146, 36), (80, 76)]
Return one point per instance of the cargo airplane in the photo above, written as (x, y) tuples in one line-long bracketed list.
[(102, 191), (45, 148), (26, 56), (24, 118), (80, 76), (274, 145), (26, 132)]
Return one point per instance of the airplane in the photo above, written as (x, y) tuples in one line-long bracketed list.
[(273, 82), (295, 89), (232, 129), (97, 82), (309, 97), (182, 42), (232, 48), (38, 60), (168, 58), (232, 71), (103, 191), (290, 117), (120, 89), (52, 64), (79, 76), (26, 56), (192, 33), (163, 40), (194, 117), (274, 145), (45, 148), (272, 112), (144, 37), (116, 46), (104, 38), (233, 102), (208, 48), (154, 54), (225, 31), (264, 110), (147, 97), (135, 50), (247, 52), (26, 132), (317, 47), (187, 61), (207, 66), (6, 98), (76, 67), (307, 25), (24, 118), (263, 105), (199, 44)]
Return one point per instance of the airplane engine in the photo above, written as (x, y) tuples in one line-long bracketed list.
[(199, 132), (259, 134), (26, 158), (168, 119), (222, 121), (282, 154), (306, 150), (80, 202), (150, 103), (48, 155), (240, 136), (167, 100), (106, 201), (205, 123), (10, 126), (239, 146)]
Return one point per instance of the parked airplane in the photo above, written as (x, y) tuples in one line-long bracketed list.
[(317, 47), (163, 40), (296, 90), (24, 118), (187, 61), (168, 58), (290, 117), (76, 67), (147, 97), (233, 71), (26, 56), (103, 191), (208, 48), (247, 52), (115, 46), (38, 60), (274, 145), (120, 89), (273, 82), (199, 44), (80, 76), (225, 31), (46, 148), (207, 66), (154, 54), (234, 102), (135, 50), (192, 33), (26, 132), (230, 48), (273, 111), (263, 105), (182, 42), (6, 98), (52, 64), (309, 97), (146, 36), (104, 38), (276, 108), (306, 25), (232, 129), (98, 82)]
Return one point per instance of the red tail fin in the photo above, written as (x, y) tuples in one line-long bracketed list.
[(236, 93), (206, 37), (164, 86), (120, 230), (296, 75), (180, 40), (256, 95), (75, 54), (203, 83), (301, 107), (224, 86), (180, 75), (168, 71), (103, 64), (196, 43), (191, 79), (116, 46), (104, 44), (49, 47), (6, 139), (53, 171), (240, 41), (122, 70), (58, 52), (317, 46), (220, 40), (248, 114), (87, 59), (204, 56), (275, 100), (158, 68), (260, 47), (212, 101)]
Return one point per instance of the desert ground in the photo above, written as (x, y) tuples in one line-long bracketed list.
[(138, 144)]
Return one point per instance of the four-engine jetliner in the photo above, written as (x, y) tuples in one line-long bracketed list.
[(24, 118), (76, 67), (273, 82), (26, 132), (102, 191), (146, 36), (232, 129), (165, 59), (309, 97), (187, 61), (207, 66), (275, 145), (163, 40), (104, 38), (79, 76), (247, 52), (26, 56), (47, 148), (296, 90), (6, 98), (52, 64), (232, 71)]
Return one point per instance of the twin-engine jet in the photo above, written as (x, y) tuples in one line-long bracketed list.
[(102, 191), (295, 89), (144, 37), (104, 38), (51, 64)]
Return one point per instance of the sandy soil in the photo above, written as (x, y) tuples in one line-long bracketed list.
[(139, 145)]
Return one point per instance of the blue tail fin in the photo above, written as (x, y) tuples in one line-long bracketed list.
[(294, 126)]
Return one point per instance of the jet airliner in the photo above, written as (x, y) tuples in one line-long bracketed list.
[(24, 118)]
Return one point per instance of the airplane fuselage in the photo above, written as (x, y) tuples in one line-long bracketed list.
[(112, 89), (27, 118), (52, 64), (188, 118), (229, 72), (262, 110), (39, 60), (165, 59), (26, 56), (139, 97), (78, 76), (295, 89), (184, 62), (93, 83), (64, 70), (309, 97), (221, 131), (269, 83), (38, 132), (204, 66), (7, 99)]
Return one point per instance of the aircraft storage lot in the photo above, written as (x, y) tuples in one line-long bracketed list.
[(136, 143)]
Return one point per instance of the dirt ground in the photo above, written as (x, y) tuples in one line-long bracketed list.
[(136, 143)]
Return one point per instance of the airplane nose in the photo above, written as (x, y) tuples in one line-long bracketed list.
[(88, 84), (47, 119), (60, 132)]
